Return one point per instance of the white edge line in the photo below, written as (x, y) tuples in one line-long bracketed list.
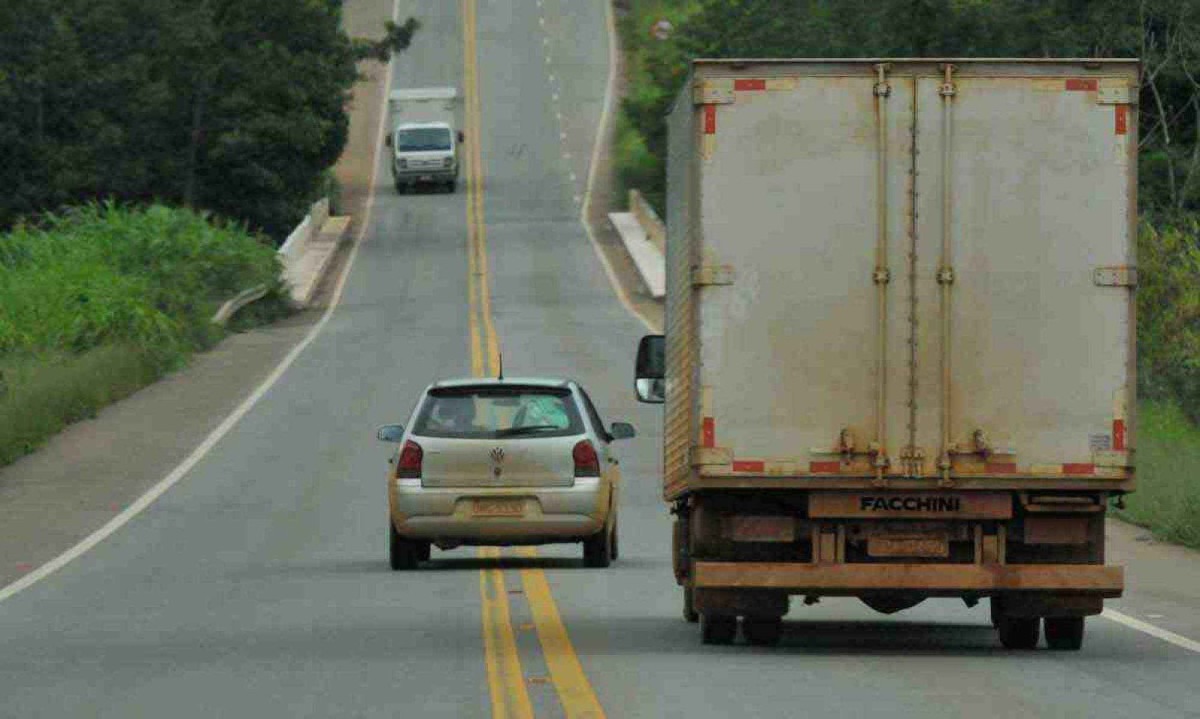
[(591, 178), (1157, 632), (180, 471)]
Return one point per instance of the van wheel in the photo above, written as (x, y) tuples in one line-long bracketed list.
[(717, 629), (1064, 633), (402, 553), (597, 549), (1019, 632)]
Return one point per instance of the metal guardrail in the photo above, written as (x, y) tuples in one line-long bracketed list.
[(656, 231), (243, 298), (291, 254)]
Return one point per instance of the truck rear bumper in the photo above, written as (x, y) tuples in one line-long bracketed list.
[(928, 579)]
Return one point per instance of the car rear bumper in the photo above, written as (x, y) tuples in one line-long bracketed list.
[(549, 513), (929, 579)]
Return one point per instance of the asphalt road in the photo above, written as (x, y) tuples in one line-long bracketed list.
[(258, 585)]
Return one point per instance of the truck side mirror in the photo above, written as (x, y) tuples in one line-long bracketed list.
[(387, 140), (461, 136), (650, 370)]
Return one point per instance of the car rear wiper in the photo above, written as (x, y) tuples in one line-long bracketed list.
[(531, 429)]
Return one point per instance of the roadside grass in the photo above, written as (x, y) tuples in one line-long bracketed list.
[(39, 396), (1167, 500), (102, 300)]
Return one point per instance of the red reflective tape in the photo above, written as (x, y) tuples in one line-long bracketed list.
[(1000, 468), (749, 465), (1079, 469), (1122, 119), (1119, 435), (710, 119), (749, 85), (1077, 84), (825, 467), (708, 432)]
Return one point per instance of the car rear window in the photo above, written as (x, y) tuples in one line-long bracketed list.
[(498, 413)]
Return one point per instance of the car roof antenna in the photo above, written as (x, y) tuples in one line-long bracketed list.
[(500, 358)]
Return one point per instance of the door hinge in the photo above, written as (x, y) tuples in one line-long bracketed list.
[(712, 275), (1117, 276), (713, 91)]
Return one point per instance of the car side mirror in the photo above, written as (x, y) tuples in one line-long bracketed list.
[(390, 433), (387, 140), (461, 136), (650, 370), (622, 430)]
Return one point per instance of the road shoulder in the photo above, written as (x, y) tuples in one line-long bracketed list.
[(91, 471)]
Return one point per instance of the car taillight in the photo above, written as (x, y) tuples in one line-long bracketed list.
[(409, 466), (587, 463)]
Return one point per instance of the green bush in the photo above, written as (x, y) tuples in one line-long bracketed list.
[(102, 299), (654, 70), (1167, 499), (1169, 312)]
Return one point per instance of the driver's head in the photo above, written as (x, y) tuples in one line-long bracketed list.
[(459, 411)]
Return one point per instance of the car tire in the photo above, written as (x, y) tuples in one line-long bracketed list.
[(1019, 632), (615, 546), (424, 551), (451, 186), (597, 549), (717, 629), (1064, 633), (401, 188), (402, 553)]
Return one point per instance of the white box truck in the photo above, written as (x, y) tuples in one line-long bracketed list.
[(425, 136), (899, 350)]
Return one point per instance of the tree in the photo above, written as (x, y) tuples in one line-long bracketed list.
[(234, 106)]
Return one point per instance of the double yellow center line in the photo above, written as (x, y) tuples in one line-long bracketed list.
[(507, 683), (480, 305)]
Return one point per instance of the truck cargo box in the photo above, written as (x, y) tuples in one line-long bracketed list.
[(909, 273)]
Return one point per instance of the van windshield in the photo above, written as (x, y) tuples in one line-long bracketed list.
[(421, 139)]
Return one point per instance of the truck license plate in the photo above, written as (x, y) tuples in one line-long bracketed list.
[(889, 545), (498, 508)]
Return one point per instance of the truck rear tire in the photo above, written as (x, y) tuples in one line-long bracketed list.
[(762, 631), (1019, 632), (1064, 633), (690, 614), (717, 628)]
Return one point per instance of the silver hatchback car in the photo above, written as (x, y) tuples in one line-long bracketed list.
[(503, 462)]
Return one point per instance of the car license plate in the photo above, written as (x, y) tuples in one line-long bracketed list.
[(426, 178), (498, 508), (891, 545)]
